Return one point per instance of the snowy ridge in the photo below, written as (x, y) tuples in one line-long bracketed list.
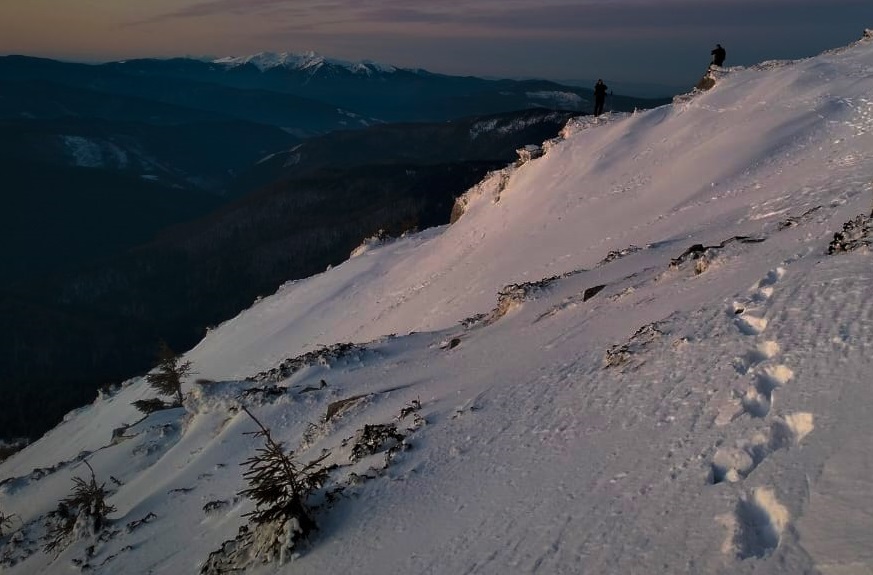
[(105, 153), (566, 100), (89, 153), (646, 351), (503, 126), (309, 61)]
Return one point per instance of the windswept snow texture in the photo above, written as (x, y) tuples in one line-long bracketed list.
[(675, 377)]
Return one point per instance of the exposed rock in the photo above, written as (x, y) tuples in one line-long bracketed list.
[(134, 525), (855, 234), (702, 255), (375, 438), (341, 405), (618, 254), (321, 385), (591, 292), (514, 294), (796, 221), (266, 392), (323, 356), (707, 82), (473, 320), (528, 153), (622, 354)]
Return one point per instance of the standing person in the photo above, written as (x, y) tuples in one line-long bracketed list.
[(718, 55), (599, 97)]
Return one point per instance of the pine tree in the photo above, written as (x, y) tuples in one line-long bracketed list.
[(85, 506), (168, 373), (5, 523), (280, 485)]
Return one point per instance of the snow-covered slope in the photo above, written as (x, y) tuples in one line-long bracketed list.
[(674, 377)]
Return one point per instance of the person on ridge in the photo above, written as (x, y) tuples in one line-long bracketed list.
[(718, 55), (599, 97)]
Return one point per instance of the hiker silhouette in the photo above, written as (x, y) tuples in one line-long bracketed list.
[(599, 97), (718, 55)]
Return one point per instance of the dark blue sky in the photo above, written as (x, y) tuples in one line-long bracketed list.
[(646, 41)]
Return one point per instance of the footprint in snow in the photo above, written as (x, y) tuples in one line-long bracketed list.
[(772, 277), (758, 399), (763, 351), (750, 323), (756, 526), (732, 464)]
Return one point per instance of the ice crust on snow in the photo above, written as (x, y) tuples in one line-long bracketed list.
[(587, 372)]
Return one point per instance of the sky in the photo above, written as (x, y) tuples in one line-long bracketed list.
[(643, 41)]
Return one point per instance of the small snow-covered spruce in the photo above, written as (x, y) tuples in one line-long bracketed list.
[(83, 512), (168, 374), (5, 523), (280, 487)]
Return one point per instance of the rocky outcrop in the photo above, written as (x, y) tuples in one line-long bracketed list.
[(855, 234)]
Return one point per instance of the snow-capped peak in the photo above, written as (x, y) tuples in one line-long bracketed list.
[(303, 61)]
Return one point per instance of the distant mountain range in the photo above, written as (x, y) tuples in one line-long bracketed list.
[(304, 94), (309, 61), (149, 199)]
